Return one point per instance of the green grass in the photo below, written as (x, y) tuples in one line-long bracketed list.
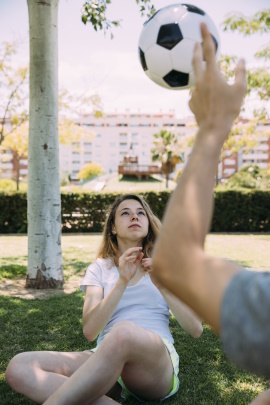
[(131, 184), (206, 375)]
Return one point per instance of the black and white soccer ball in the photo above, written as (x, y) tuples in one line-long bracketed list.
[(167, 42)]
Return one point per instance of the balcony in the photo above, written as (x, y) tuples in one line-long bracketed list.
[(139, 171)]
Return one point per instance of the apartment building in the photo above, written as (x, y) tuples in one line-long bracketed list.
[(259, 155), (117, 135)]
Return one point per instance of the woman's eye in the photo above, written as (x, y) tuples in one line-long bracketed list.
[(141, 213), (124, 213)]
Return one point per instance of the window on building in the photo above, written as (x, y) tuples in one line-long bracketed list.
[(229, 162), (123, 135)]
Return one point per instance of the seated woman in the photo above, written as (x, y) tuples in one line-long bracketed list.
[(135, 353)]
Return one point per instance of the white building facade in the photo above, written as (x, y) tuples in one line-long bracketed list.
[(113, 137)]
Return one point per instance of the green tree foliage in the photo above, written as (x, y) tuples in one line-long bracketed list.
[(95, 13), (258, 79), (89, 171), (250, 177), (167, 151), (13, 91)]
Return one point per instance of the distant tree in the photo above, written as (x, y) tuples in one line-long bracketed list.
[(13, 91), (167, 151), (17, 143), (251, 176), (89, 171), (258, 78)]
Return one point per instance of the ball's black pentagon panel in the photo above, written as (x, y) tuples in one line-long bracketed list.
[(169, 35), (176, 79), (193, 9), (142, 60)]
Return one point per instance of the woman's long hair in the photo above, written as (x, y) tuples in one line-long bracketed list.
[(109, 245)]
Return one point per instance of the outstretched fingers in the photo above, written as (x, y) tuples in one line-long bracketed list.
[(209, 51), (197, 62), (240, 77)]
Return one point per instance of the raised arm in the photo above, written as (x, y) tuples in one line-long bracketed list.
[(185, 316), (179, 261)]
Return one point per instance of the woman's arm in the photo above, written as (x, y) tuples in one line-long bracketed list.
[(97, 311)]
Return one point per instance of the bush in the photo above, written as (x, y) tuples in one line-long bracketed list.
[(241, 211), (235, 210), (89, 171), (251, 177), (10, 185)]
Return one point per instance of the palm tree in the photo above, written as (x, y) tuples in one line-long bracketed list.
[(167, 151)]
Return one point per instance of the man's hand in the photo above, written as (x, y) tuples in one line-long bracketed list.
[(214, 102)]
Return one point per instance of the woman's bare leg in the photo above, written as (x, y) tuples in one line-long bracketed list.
[(140, 356), (37, 375)]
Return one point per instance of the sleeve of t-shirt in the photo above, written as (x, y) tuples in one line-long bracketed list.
[(93, 276), (245, 321)]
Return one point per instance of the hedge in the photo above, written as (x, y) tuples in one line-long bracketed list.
[(235, 211)]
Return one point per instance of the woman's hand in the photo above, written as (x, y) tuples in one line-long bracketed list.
[(129, 262)]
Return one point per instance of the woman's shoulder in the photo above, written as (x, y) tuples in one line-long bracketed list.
[(105, 263)]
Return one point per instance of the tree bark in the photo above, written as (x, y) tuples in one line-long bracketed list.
[(45, 264)]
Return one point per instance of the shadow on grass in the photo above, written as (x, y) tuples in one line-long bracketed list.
[(206, 376), (134, 179)]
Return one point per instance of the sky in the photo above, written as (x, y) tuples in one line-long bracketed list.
[(91, 63)]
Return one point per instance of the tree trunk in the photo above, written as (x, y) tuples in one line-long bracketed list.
[(167, 180), (45, 264), (16, 168)]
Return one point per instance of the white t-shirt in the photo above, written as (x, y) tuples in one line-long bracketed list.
[(141, 304)]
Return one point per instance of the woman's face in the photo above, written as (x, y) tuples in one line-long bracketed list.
[(131, 221)]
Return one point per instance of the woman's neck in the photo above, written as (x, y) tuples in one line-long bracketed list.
[(126, 244)]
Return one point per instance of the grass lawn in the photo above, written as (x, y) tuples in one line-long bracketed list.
[(206, 376), (131, 184)]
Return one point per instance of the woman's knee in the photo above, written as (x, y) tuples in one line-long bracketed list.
[(16, 370), (121, 337)]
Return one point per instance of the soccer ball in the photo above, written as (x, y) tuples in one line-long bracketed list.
[(167, 42)]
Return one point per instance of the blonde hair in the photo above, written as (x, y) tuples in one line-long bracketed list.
[(109, 246)]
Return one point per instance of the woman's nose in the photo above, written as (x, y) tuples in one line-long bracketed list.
[(134, 216)]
